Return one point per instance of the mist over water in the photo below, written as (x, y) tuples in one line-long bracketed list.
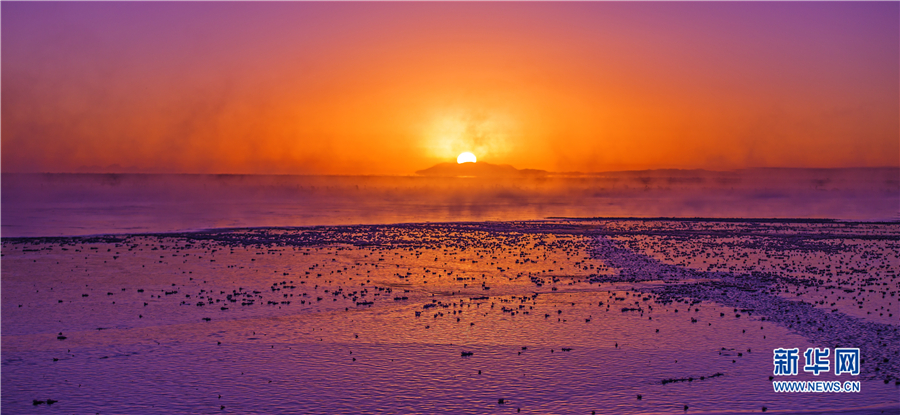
[(87, 204)]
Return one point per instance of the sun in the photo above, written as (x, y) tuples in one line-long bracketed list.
[(466, 157)]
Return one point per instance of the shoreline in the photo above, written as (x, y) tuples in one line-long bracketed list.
[(499, 222)]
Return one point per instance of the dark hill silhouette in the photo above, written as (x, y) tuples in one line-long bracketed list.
[(480, 169)]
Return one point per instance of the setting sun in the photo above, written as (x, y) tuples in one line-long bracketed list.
[(466, 157)]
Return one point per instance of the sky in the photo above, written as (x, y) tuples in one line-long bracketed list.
[(391, 88)]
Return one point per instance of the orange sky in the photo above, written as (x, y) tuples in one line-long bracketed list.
[(390, 88)]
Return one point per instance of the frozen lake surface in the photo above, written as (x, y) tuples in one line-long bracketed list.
[(559, 316)]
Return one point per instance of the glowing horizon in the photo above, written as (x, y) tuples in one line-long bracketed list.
[(391, 88)]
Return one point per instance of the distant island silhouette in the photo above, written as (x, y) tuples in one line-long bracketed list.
[(479, 169)]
